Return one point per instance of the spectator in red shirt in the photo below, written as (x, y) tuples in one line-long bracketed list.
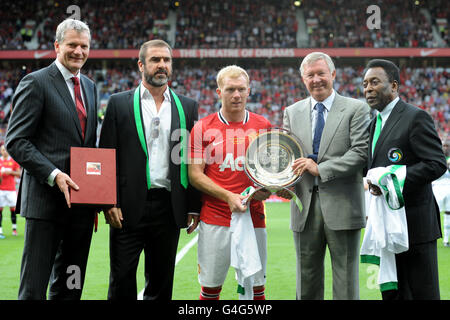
[(9, 170)]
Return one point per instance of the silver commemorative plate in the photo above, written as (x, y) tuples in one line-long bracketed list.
[(270, 156)]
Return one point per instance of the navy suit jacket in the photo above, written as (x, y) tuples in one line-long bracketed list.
[(43, 126)]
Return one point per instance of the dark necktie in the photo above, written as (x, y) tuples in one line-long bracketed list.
[(79, 105), (320, 123)]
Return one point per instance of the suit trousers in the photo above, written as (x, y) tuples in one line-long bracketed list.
[(417, 274), (156, 234), (56, 252), (310, 246)]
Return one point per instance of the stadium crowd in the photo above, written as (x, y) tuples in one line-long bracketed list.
[(343, 24), (272, 88), (226, 24), (118, 24)]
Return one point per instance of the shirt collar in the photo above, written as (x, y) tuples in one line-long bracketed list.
[(67, 75), (388, 109), (328, 102), (225, 121), (144, 91)]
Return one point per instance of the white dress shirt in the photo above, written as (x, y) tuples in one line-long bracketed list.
[(158, 148), (387, 111), (67, 75)]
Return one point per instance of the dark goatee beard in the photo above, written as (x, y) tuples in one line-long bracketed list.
[(154, 81)]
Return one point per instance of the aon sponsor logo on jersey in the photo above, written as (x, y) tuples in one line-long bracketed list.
[(231, 163)]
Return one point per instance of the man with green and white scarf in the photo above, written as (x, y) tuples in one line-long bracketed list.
[(404, 135), (149, 128)]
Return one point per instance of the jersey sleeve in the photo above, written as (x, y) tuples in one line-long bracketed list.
[(196, 148), (15, 166)]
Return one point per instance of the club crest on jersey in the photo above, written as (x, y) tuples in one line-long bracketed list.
[(238, 140), (395, 155)]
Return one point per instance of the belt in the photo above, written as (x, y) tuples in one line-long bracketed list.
[(157, 193)]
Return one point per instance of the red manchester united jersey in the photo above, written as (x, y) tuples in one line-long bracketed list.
[(222, 145), (8, 181)]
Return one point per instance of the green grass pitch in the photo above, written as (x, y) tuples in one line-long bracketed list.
[(280, 266)]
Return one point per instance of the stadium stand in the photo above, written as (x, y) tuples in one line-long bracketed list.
[(203, 24), (226, 24), (340, 23), (231, 24), (273, 88)]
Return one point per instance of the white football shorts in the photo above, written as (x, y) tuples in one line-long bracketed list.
[(214, 254), (8, 198)]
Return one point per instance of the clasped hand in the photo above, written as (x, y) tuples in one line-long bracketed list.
[(373, 189), (302, 165)]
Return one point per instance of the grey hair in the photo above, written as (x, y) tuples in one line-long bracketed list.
[(71, 24), (313, 57)]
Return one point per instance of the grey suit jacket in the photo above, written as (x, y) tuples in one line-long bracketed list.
[(341, 159), (42, 128)]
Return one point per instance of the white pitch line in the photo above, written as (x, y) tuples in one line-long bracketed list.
[(185, 249), (178, 258)]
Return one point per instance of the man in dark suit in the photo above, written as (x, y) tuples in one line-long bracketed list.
[(407, 137), (54, 108), (148, 127)]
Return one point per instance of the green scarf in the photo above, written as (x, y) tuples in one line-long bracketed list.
[(183, 137)]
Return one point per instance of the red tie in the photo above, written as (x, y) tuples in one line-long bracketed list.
[(79, 104)]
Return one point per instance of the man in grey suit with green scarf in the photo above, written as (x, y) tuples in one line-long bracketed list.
[(334, 135)]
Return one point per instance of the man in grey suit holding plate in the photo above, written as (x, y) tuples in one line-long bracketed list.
[(54, 108), (334, 135)]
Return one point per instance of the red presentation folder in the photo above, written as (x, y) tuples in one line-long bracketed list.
[(94, 171)]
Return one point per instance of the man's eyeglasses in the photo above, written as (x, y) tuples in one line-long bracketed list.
[(155, 127)]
